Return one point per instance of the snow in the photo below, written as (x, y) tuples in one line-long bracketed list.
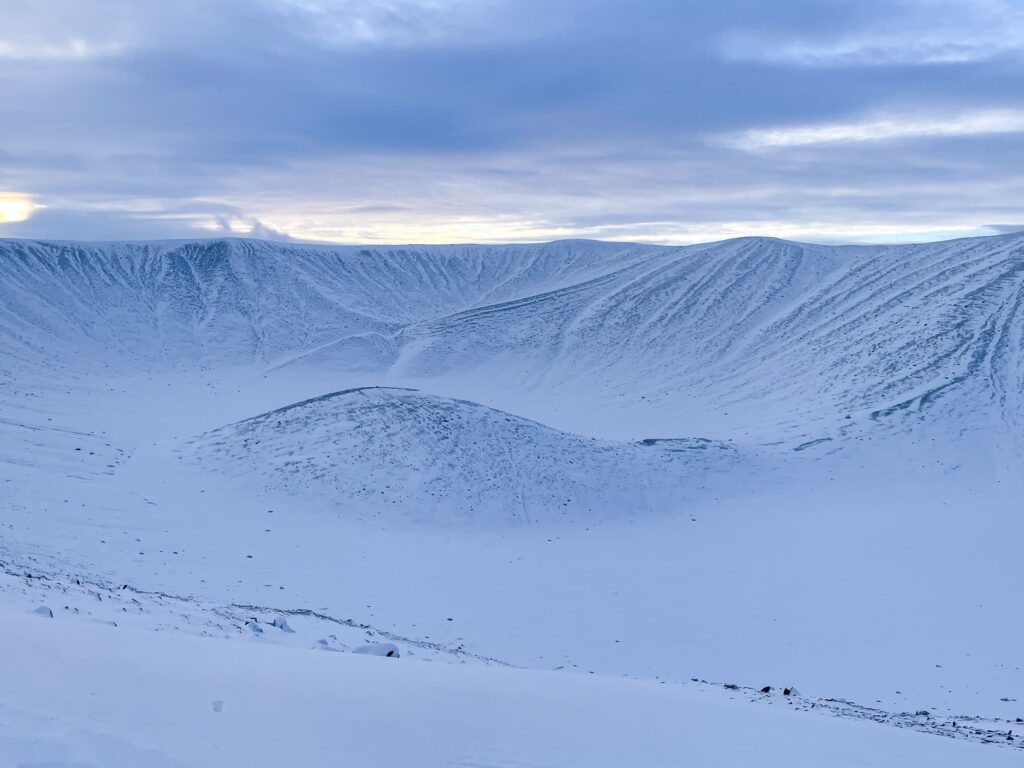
[(399, 455), (389, 650), (752, 462), (124, 698)]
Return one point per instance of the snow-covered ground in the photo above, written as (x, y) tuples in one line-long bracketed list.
[(122, 698), (756, 462)]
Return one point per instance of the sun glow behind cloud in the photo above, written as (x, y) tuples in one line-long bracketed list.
[(15, 207), (432, 227)]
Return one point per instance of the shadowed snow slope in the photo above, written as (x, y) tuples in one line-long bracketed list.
[(753, 340), (403, 455), (780, 334), (763, 338), (222, 302), (752, 461)]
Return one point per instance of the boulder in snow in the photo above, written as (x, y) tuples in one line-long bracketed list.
[(282, 623), (379, 649)]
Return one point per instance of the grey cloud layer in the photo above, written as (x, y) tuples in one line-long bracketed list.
[(335, 119)]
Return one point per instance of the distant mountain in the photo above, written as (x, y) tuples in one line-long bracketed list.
[(229, 302), (765, 337)]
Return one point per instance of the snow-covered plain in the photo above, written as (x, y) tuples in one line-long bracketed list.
[(752, 462), (210, 702)]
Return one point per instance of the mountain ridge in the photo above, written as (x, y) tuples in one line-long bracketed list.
[(742, 321)]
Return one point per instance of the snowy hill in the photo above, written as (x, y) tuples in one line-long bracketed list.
[(762, 337), (224, 302), (779, 335), (402, 455), (754, 461)]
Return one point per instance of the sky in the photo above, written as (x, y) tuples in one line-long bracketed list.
[(400, 121)]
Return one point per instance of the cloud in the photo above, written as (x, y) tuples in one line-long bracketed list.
[(153, 220), (393, 24), (984, 123), (71, 49), (1006, 229), (436, 120), (880, 51), (907, 33), (66, 31)]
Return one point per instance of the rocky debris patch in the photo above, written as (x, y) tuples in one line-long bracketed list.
[(986, 730)]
